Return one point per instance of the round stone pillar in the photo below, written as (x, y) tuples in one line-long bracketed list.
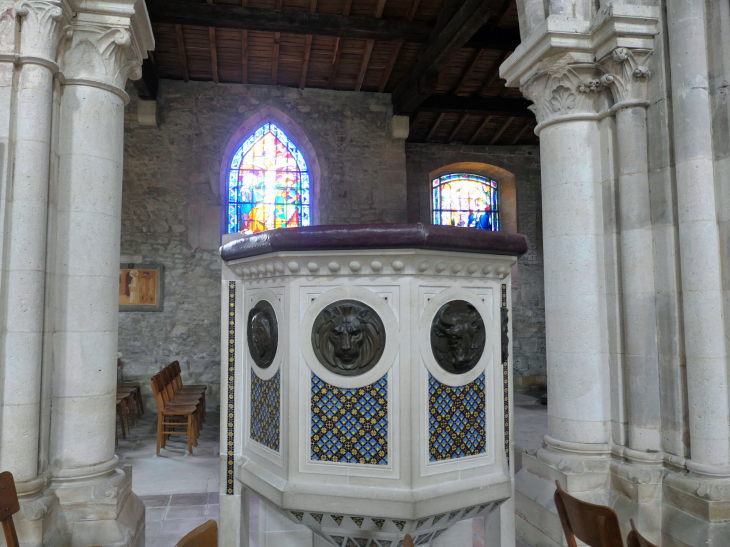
[(575, 308)]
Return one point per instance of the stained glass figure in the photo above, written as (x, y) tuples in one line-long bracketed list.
[(268, 183), (465, 199)]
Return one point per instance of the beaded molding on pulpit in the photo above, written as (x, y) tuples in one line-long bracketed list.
[(265, 410), (350, 425), (231, 383), (457, 419), (505, 373)]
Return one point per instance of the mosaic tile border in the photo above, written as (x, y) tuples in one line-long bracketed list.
[(505, 374), (265, 426), (231, 384)]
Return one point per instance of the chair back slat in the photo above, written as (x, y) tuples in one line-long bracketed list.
[(635, 539), (205, 535), (594, 525), (408, 541), (9, 505)]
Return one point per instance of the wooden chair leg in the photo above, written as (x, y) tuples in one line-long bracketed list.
[(140, 401), (159, 431), (120, 413), (190, 433)]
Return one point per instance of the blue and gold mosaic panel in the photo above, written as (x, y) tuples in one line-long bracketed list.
[(457, 420), (265, 410), (350, 425)]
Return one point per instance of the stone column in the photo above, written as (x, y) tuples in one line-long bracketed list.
[(565, 97), (24, 276), (102, 52), (627, 79), (700, 249)]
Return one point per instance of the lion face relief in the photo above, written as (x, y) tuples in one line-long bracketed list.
[(457, 337), (348, 337)]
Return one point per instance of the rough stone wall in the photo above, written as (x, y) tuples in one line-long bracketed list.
[(171, 203), (528, 299)]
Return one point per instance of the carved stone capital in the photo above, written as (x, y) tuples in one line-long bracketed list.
[(562, 88), (41, 22), (627, 74), (102, 55)]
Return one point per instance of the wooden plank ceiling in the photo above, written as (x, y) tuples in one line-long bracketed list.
[(439, 58)]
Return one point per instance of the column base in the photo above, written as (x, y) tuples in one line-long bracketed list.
[(99, 509), (36, 522), (670, 506)]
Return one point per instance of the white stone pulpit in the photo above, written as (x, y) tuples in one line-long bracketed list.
[(367, 379)]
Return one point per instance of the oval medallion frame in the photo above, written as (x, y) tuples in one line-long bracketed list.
[(392, 333), (440, 345), (272, 299), (424, 336)]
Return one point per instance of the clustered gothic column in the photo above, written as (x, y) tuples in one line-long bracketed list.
[(24, 276), (660, 221), (64, 100), (700, 258), (627, 80)]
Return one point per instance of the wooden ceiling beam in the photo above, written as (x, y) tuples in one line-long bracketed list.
[(307, 49), (213, 54), (338, 49), (423, 77), (502, 129), (456, 129), (292, 22), (476, 57), (396, 50), (181, 52), (368, 49), (481, 127), (434, 127), (477, 105), (525, 127)]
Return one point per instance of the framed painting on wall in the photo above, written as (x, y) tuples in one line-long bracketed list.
[(140, 287)]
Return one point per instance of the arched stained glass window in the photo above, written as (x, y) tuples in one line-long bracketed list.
[(465, 199), (268, 183)]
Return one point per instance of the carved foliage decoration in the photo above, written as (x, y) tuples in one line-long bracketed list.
[(563, 87), (348, 337), (457, 336), (263, 334), (102, 53), (627, 73), (40, 28)]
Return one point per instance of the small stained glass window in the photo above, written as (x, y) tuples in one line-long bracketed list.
[(268, 183), (465, 199)]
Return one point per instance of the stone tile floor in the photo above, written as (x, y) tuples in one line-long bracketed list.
[(180, 491)]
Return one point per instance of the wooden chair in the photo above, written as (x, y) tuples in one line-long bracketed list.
[(594, 525), (175, 370), (137, 387), (635, 539), (129, 396), (205, 535), (408, 541), (122, 413), (171, 417), (190, 395), (9, 505)]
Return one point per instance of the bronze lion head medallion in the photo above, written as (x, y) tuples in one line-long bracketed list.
[(348, 337)]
